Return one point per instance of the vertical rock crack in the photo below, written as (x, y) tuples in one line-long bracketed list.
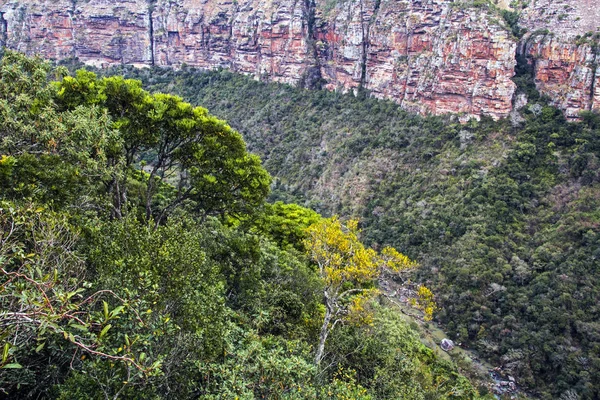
[(151, 6), (3, 30)]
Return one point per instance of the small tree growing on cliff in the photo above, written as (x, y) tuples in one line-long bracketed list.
[(349, 271)]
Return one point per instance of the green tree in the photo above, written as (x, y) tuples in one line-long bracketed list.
[(101, 299), (51, 314), (284, 223), (48, 154), (200, 156)]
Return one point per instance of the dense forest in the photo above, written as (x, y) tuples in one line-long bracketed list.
[(140, 259), (503, 216)]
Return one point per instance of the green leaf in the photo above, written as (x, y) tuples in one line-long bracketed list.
[(80, 327), (43, 327), (156, 364), (105, 309), (12, 366), (116, 311), (104, 330), (70, 294), (40, 347), (5, 352)]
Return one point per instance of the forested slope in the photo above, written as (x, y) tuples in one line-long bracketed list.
[(139, 260), (503, 216)]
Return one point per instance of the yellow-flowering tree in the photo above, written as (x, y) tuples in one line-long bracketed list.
[(349, 270)]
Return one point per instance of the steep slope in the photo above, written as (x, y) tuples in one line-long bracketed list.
[(503, 218), (562, 48), (100, 299), (430, 56)]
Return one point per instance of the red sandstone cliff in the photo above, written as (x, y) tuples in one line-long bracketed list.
[(561, 47), (428, 55), (431, 56)]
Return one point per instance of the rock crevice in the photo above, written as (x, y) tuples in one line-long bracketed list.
[(3, 30), (151, 6)]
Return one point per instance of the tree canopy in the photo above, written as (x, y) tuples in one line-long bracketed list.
[(139, 260), (199, 155), (349, 271), (501, 215)]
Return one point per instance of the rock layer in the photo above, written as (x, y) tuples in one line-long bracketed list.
[(98, 32), (431, 56), (428, 55), (565, 72), (561, 47)]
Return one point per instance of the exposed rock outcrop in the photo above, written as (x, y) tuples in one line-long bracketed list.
[(98, 32), (3, 30), (566, 72), (431, 56), (561, 47)]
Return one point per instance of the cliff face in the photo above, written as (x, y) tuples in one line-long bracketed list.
[(96, 31), (425, 54), (264, 38), (566, 72), (431, 56), (561, 48)]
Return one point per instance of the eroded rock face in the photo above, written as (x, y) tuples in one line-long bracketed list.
[(566, 72), (565, 18), (263, 38), (96, 31), (561, 47), (429, 55)]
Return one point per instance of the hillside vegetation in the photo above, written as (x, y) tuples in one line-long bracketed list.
[(503, 217), (139, 260)]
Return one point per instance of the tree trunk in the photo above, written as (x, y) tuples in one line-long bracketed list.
[(324, 332)]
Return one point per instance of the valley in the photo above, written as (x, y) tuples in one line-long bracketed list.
[(463, 134)]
